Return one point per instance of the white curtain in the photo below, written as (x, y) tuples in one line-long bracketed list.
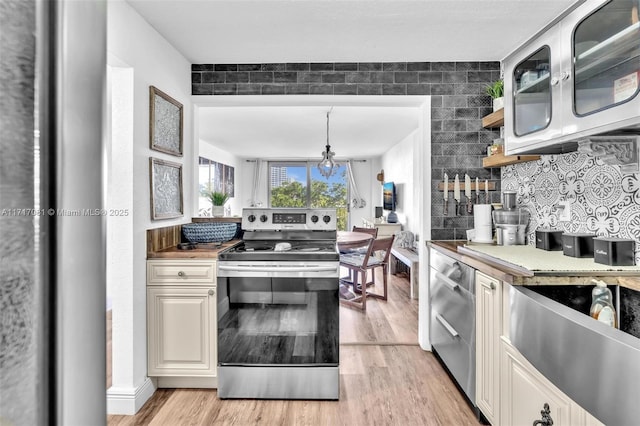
[(257, 178), (357, 202)]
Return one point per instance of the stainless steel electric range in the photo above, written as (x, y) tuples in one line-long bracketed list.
[(278, 307)]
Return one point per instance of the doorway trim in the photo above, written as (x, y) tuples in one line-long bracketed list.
[(422, 160)]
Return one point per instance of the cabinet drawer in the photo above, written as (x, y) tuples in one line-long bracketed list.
[(187, 272), (457, 305)]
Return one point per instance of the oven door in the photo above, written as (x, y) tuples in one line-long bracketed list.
[(280, 314), (278, 330)]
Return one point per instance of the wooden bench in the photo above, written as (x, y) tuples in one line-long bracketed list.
[(409, 258)]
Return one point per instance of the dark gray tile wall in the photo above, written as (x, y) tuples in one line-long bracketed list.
[(458, 103)]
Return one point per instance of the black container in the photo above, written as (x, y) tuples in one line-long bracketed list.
[(614, 251), (577, 245), (548, 239), (378, 212)]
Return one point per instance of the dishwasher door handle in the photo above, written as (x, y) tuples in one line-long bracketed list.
[(446, 325), (447, 281)]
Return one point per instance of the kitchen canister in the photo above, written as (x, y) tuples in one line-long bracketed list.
[(614, 251), (577, 245), (548, 239)]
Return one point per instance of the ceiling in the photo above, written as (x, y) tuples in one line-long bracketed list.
[(267, 31), (285, 132), (244, 31)]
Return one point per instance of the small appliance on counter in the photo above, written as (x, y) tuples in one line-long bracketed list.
[(614, 251), (549, 239), (577, 245), (511, 221)]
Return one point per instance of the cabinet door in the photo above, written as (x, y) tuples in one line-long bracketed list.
[(524, 393), (533, 102), (605, 60), (488, 328), (181, 331)]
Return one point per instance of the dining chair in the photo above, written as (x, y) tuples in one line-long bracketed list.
[(376, 256), (379, 258), (372, 231), (355, 261)]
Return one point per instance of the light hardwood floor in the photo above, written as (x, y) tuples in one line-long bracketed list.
[(385, 379)]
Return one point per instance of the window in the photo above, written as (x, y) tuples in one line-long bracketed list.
[(216, 176), (299, 184)]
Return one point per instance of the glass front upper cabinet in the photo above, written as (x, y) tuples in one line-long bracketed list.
[(532, 93), (606, 57)]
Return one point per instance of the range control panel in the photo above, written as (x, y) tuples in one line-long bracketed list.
[(276, 219)]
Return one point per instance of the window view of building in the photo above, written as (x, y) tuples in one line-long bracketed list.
[(299, 184)]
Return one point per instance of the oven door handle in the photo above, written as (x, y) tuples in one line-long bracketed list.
[(262, 268)]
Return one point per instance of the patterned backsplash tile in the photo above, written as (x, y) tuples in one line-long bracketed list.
[(603, 200)]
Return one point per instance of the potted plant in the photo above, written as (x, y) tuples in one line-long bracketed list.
[(496, 91), (218, 200)]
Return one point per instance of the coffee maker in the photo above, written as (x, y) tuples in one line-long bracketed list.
[(511, 221)]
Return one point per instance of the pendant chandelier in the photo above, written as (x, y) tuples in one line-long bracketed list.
[(327, 166)]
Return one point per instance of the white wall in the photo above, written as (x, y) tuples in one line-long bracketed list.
[(209, 150), (398, 165), (133, 43)]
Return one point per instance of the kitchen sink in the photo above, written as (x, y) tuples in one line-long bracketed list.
[(578, 297), (594, 364)]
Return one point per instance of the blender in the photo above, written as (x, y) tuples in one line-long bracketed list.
[(511, 221)]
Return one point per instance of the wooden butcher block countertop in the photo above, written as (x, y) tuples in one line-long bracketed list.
[(203, 251), (162, 243)]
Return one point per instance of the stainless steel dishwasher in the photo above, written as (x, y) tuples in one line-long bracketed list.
[(453, 319)]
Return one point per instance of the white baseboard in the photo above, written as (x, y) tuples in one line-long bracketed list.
[(127, 401), (207, 382)]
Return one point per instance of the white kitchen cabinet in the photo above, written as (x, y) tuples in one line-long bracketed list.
[(488, 331), (579, 77), (524, 393), (181, 322), (384, 229)]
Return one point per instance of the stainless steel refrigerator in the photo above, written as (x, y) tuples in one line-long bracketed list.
[(52, 251)]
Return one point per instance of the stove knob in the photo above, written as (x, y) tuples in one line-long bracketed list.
[(326, 218), (314, 218), (263, 218), (251, 218)]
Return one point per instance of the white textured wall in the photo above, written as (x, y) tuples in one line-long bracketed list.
[(134, 43), (398, 165)]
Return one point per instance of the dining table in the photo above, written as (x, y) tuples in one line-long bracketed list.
[(350, 239)]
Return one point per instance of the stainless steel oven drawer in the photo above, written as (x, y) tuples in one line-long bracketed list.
[(454, 303), (457, 354)]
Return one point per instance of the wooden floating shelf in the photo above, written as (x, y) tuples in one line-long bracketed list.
[(499, 160), (493, 120), (491, 185)]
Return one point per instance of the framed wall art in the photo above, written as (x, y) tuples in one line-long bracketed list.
[(165, 123), (166, 189)]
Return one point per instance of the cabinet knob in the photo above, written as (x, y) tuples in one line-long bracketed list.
[(180, 274), (490, 285), (211, 292)]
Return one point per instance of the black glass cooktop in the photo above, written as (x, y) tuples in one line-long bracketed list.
[(282, 250)]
